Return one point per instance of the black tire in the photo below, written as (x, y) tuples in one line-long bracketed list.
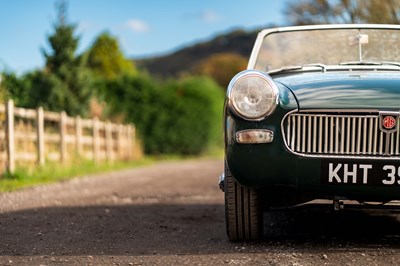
[(243, 211)]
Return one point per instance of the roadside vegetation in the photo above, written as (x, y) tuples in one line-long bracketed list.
[(180, 115), (177, 117)]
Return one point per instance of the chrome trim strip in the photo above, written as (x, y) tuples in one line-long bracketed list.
[(353, 136), (337, 135), (359, 121), (315, 135), (342, 136), (309, 134), (370, 143), (288, 130), (398, 144), (294, 130), (320, 135), (361, 152), (348, 136), (376, 121), (298, 133), (342, 111), (302, 133), (364, 149), (391, 141), (326, 136)]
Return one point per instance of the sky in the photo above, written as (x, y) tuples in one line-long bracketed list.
[(143, 27)]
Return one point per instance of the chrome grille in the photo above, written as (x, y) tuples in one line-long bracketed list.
[(344, 135)]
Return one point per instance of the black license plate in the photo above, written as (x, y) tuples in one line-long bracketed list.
[(361, 173)]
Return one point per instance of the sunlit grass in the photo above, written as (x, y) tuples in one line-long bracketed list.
[(26, 177), (53, 172)]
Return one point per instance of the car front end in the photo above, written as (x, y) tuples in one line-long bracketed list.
[(315, 116)]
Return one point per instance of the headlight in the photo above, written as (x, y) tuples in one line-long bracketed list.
[(253, 95)]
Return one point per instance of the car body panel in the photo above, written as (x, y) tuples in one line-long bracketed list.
[(353, 90)]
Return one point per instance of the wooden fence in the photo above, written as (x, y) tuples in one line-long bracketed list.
[(29, 136)]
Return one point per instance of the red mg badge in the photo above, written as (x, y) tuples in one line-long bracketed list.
[(388, 121)]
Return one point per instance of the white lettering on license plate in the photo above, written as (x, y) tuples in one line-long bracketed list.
[(348, 173), (374, 174)]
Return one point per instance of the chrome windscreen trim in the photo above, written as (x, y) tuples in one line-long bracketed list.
[(262, 34)]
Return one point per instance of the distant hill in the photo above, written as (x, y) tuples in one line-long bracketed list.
[(185, 59)]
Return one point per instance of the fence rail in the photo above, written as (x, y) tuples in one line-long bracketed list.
[(37, 136)]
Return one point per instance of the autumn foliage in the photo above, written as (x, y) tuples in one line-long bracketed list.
[(222, 67)]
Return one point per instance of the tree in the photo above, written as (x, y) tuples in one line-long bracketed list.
[(222, 67), (65, 73), (3, 88), (14, 87), (342, 11), (106, 59)]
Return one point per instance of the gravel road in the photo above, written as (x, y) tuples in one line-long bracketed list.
[(172, 213)]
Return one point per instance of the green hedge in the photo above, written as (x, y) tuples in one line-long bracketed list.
[(178, 117)]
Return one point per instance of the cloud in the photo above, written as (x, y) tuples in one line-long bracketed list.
[(209, 16), (205, 16), (137, 25)]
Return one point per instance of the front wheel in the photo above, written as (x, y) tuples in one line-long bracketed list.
[(243, 210)]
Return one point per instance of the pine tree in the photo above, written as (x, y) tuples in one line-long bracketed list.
[(67, 77)]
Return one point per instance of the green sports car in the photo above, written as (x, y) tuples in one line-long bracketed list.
[(314, 116)]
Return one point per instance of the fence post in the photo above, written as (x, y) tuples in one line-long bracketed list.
[(109, 143), (132, 140), (63, 135), (78, 135), (95, 139), (129, 141), (120, 141), (40, 136), (10, 136), (126, 142)]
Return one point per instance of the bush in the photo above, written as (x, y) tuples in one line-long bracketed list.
[(180, 117), (190, 120)]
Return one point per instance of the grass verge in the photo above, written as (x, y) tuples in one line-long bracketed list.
[(53, 172)]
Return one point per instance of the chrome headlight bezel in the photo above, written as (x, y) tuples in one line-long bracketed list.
[(270, 85)]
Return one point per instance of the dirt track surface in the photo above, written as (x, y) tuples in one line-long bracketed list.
[(173, 214)]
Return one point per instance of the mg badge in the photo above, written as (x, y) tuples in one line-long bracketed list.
[(388, 121)]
